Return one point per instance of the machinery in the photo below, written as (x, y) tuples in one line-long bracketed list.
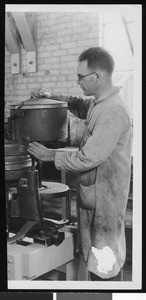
[(35, 244)]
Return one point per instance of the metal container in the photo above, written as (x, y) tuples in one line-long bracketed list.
[(17, 163), (39, 119)]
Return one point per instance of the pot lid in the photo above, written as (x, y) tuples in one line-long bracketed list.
[(39, 103)]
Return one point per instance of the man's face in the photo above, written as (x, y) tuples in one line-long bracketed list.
[(89, 84)]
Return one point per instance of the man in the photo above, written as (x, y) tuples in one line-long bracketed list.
[(102, 165)]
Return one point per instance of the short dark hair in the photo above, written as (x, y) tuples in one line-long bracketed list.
[(98, 57)]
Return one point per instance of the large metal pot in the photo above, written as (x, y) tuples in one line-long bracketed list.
[(17, 162), (39, 119)]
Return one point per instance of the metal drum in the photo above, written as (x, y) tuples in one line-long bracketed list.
[(17, 162), (39, 119)]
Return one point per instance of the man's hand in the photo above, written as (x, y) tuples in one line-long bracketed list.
[(41, 152), (38, 93)]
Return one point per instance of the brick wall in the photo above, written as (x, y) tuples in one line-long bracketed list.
[(61, 37)]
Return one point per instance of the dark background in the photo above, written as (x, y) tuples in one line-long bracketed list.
[(26, 296)]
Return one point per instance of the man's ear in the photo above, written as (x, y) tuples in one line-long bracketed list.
[(98, 74), (97, 77)]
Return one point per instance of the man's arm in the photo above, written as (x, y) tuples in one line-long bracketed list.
[(77, 105), (97, 149)]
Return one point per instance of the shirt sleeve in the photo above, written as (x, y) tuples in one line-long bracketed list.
[(97, 148), (79, 106), (76, 105)]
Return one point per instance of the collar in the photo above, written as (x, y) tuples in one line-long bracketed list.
[(114, 90)]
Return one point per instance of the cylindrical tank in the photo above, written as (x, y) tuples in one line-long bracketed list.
[(39, 119), (17, 162)]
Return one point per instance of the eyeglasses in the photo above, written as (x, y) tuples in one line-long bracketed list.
[(80, 77)]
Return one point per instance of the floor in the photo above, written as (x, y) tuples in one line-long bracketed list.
[(52, 209), (58, 275)]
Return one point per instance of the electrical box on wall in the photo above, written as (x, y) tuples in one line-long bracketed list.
[(21, 29), (12, 40), (15, 63), (26, 24), (31, 61)]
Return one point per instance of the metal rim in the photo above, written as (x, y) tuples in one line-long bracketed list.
[(16, 158), (18, 166)]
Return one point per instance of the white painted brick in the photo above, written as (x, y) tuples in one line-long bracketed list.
[(12, 98), (84, 43), (54, 72), (21, 86), (47, 22), (41, 49), (53, 66), (46, 79), (65, 71), (39, 79), (52, 47), (51, 60), (59, 52), (7, 53), (40, 61), (7, 64), (80, 29), (67, 58), (73, 24), (52, 41), (68, 45), (72, 64), (64, 84), (90, 35), (92, 20), (44, 67), (31, 80), (41, 16), (68, 38), (56, 15), (19, 92), (62, 65), (7, 59), (40, 73), (75, 51), (25, 80), (62, 78), (58, 27), (72, 77), (7, 93), (27, 93), (32, 85), (55, 78), (64, 32), (49, 35), (59, 40), (77, 37), (44, 30), (19, 80), (64, 19), (49, 85), (9, 86), (7, 70), (41, 42), (7, 75), (80, 16), (20, 98)]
